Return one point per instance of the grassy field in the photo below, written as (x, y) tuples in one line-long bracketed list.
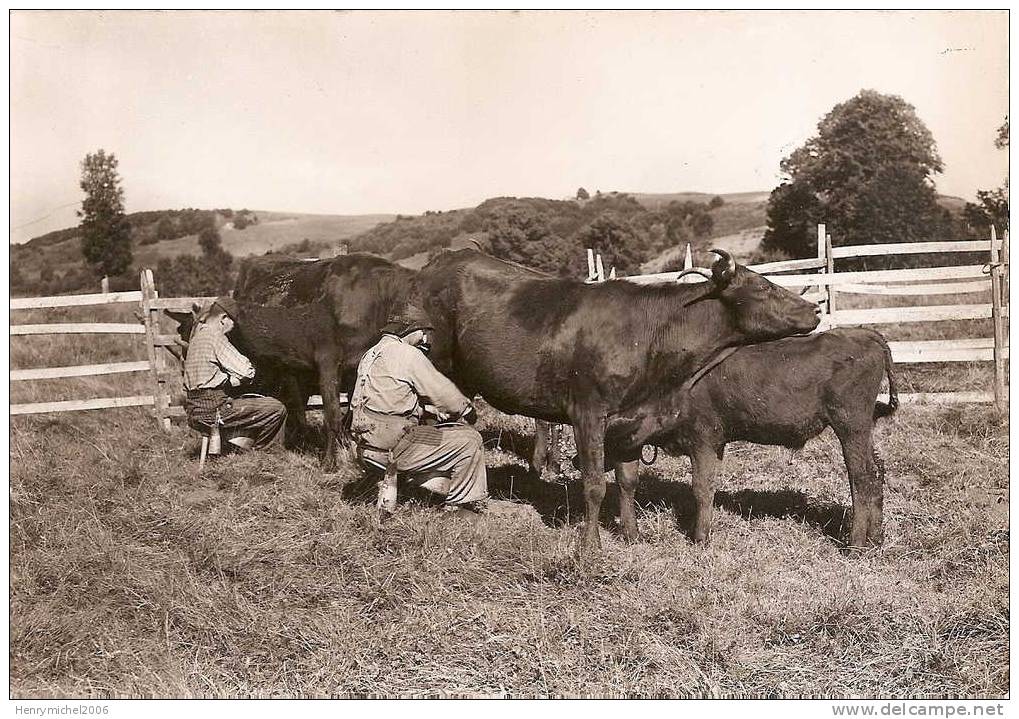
[(131, 575)]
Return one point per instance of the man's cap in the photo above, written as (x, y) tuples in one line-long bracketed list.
[(228, 305), (407, 320)]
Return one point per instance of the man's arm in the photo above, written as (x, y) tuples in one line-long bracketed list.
[(429, 382), (231, 361)]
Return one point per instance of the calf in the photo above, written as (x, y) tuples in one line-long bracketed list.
[(785, 393)]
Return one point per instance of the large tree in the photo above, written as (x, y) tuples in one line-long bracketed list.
[(106, 232), (992, 208), (867, 174)]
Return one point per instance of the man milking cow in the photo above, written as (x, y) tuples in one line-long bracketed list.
[(395, 380), (214, 372)]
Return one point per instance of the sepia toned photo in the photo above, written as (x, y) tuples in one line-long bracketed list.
[(509, 354)]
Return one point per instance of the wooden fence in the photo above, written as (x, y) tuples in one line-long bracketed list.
[(816, 273), (156, 363), (820, 273)]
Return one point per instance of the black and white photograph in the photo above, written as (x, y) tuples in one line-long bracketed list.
[(522, 354)]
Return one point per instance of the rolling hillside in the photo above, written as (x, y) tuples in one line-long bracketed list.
[(58, 253), (738, 225)]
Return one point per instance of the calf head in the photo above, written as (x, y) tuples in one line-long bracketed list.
[(760, 309)]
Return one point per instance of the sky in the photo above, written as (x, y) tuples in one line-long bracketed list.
[(402, 112)]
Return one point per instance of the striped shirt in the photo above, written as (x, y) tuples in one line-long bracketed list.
[(212, 360)]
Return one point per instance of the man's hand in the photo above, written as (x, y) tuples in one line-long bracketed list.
[(469, 415), (235, 381)]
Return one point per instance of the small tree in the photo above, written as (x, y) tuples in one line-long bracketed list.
[(582, 194), (210, 241), (715, 203), (610, 235), (106, 233), (165, 229)]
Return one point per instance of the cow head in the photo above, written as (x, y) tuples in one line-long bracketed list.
[(186, 322), (761, 309)]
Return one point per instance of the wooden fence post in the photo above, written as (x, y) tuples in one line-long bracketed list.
[(829, 268), (150, 316), (1000, 398), (824, 254)]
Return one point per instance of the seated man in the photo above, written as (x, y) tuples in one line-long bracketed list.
[(394, 379), (212, 369)]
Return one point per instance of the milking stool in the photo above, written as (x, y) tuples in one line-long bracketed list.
[(211, 443), (374, 460)]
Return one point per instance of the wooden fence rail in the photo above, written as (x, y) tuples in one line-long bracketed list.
[(109, 298), (69, 328)]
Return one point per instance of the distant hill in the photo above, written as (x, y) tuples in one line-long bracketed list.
[(655, 200), (57, 255)]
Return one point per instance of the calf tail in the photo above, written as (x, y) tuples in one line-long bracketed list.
[(882, 409)]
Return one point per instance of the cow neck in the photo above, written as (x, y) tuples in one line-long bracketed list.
[(697, 328), (682, 342)]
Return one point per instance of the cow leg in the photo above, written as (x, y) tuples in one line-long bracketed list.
[(866, 487), (329, 385), (541, 435), (555, 432), (590, 435), (626, 478), (296, 404), (704, 464)]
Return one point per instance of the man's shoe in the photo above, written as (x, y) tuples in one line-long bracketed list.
[(465, 512)]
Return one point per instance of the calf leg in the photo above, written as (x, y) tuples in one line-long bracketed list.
[(865, 485), (626, 478), (545, 460), (590, 435), (704, 464)]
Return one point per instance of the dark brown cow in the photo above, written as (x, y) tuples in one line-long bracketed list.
[(785, 393), (563, 351), (310, 322)]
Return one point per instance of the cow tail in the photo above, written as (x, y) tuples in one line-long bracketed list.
[(882, 409)]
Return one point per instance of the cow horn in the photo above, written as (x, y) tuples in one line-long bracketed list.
[(693, 271), (730, 264)]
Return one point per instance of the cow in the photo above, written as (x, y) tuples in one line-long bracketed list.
[(285, 282), (785, 393), (309, 322), (564, 351)]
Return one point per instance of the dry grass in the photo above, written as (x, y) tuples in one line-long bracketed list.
[(132, 576)]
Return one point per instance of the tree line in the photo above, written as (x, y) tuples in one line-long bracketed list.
[(551, 235)]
